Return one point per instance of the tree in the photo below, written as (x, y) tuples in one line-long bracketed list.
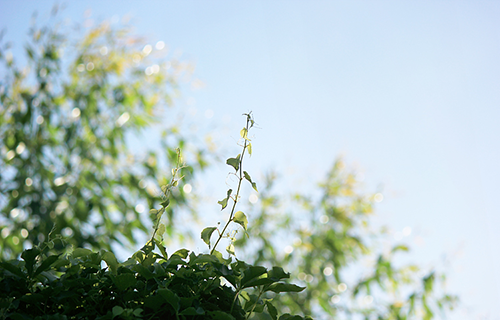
[(67, 170), (64, 119), (351, 270)]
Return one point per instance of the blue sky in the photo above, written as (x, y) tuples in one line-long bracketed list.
[(407, 91)]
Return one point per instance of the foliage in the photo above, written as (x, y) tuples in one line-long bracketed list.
[(351, 270), (68, 180), (149, 285), (64, 119)]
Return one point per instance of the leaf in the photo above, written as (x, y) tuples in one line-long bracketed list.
[(117, 310), (191, 311), (183, 253), (221, 259), (46, 264), (230, 249), (13, 269), (241, 219), (124, 281), (247, 176), (81, 252), (111, 261), (285, 287), (29, 256), (272, 310), (277, 273), (206, 234), (137, 312), (254, 186), (224, 201), (244, 133), (234, 162), (249, 148), (161, 229), (143, 271), (171, 298), (251, 273), (400, 248), (162, 250), (165, 203), (220, 315), (288, 316)]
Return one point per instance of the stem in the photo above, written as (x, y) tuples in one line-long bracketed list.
[(235, 199), (168, 191), (255, 304), (234, 301)]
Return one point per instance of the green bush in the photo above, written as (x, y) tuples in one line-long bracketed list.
[(149, 285)]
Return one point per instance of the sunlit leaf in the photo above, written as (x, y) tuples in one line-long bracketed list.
[(206, 234), (241, 219)]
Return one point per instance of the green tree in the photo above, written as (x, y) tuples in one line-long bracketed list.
[(64, 118), (66, 167), (351, 269)]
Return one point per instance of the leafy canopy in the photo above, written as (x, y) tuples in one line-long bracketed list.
[(64, 119)]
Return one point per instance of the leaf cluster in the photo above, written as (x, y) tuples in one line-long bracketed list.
[(146, 286)]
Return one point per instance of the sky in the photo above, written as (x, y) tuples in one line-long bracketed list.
[(407, 92)]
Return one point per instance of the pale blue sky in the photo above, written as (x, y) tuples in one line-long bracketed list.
[(410, 91)]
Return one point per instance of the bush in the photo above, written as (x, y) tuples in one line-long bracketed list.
[(149, 285)]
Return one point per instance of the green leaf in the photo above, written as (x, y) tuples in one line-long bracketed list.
[(249, 148), (29, 256), (224, 201), (46, 264), (288, 316), (253, 272), (277, 273), (234, 162), (220, 315), (241, 219), (249, 179), (254, 186), (165, 203), (162, 250), (124, 281), (117, 310), (285, 287), (111, 261), (272, 310), (221, 259), (230, 249), (161, 230), (206, 234), (191, 311), (183, 253), (137, 312), (81, 252), (400, 248), (143, 271), (171, 298), (428, 282), (13, 269)]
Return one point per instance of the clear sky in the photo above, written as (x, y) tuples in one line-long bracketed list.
[(407, 90)]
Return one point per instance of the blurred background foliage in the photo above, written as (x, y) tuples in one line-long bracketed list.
[(66, 168), (329, 242), (64, 118)]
